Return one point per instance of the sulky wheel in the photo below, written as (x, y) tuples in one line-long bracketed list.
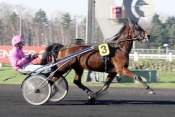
[(36, 90), (59, 90)]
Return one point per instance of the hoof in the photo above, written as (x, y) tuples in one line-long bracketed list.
[(151, 92), (91, 101), (91, 95)]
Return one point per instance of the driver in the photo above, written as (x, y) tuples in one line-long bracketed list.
[(19, 61)]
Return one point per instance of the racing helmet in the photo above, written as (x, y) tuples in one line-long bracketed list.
[(17, 39)]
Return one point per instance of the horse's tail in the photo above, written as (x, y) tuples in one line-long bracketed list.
[(50, 54)]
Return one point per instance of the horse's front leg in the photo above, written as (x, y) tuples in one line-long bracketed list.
[(130, 74), (77, 81)]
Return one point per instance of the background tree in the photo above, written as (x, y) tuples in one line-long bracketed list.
[(38, 29), (14, 23), (1, 33), (41, 27), (170, 31), (66, 23), (156, 34)]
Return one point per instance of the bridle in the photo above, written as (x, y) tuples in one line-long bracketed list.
[(133, 33), (132, 36)]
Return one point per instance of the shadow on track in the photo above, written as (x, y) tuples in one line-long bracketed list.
[(115, 102)]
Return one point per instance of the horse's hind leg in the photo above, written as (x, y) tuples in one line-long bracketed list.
[(130, 74), (77, 81), (106, 85)]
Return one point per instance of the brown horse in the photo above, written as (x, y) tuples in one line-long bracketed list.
[(115, 63)]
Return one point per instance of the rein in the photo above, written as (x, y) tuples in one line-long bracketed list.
[(132, 39), (127, 40)]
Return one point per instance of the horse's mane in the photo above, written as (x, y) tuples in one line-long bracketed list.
[(116, 36)]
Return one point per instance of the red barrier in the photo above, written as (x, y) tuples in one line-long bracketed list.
[(4, 52)]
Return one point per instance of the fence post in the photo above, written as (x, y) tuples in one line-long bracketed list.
[(136, 57), (170, 57)]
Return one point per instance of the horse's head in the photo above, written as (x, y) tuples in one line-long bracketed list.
[(50, 54), (130, 32), (137, 33)]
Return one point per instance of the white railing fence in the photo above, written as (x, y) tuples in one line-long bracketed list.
[(161, 54)]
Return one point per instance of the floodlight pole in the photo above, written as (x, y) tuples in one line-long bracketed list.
[(90, 23)]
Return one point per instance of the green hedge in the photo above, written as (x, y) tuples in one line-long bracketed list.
[(159, 65)]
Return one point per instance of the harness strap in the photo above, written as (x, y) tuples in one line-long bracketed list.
[(106, 60)]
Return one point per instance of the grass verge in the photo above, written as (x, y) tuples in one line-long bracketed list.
[(166, 79)]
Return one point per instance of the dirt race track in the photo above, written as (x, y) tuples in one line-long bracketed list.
[(116, 103)]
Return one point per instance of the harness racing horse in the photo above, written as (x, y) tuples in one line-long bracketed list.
[(116, 63)]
